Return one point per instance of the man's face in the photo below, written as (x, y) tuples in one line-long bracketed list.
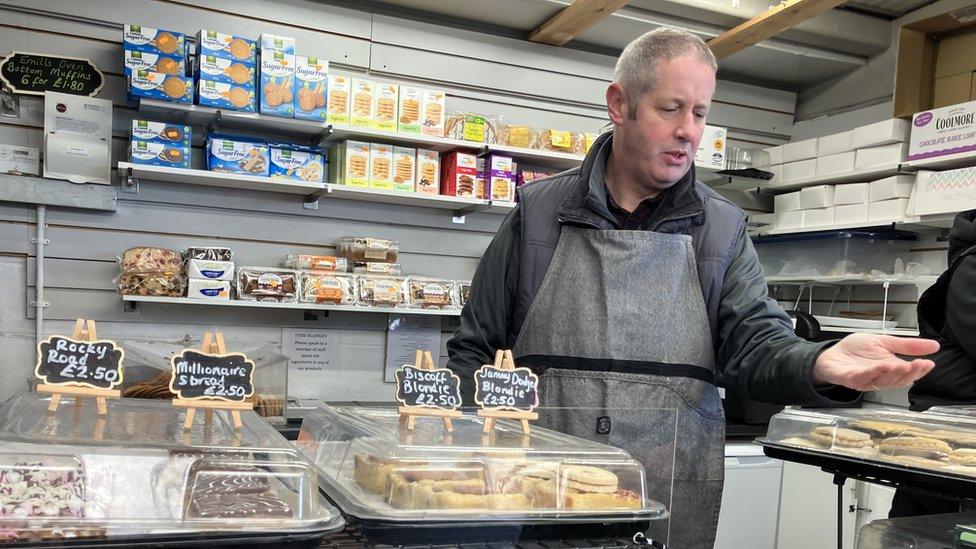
[(659, 141)]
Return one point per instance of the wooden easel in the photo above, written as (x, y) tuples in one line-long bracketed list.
[(423, 360), (212, 344), (83, 332), (505, 361)]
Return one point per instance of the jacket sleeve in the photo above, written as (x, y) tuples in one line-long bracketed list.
[(961, 303), (758, 352), (485, 319)]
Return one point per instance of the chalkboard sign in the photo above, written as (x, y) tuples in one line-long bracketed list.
[(35, 73), (506, 389), (438, 388), (197, 375), (62, 360)]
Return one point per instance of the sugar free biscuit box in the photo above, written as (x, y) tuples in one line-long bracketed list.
[(237, 48), (164, 87), (161, 132), (274, 42), (150, 40), (297, 165), (428, 178), (154, 153), (404, 169), (362, 102), (411, 99), (338, 101), (381, 166), (459, 174), (222, 95), (351, 164), (227, 71), (277, 83), (230, 155), (311, 88), (134, 60), (385, 104), (501, 178), (432, 113)]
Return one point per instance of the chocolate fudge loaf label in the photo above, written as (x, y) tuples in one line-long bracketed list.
[(62, 360), (34, 73), (199, 375), (438, 388), (499, 389)]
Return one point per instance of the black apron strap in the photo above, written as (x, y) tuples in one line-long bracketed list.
[(541, 363)]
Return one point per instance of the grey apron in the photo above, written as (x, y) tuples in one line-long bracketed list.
[(620, 330)]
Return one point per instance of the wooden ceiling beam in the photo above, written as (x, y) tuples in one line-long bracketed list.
[(766, 25), (573, 20)]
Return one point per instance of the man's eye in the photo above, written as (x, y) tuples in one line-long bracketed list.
[(700, 115)]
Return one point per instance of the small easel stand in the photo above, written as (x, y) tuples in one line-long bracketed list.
[(212, 344), (83, 332), (423, 360), (505, 361)]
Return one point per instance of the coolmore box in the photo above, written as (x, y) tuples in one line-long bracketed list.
[(296, 165), (165, 87), (311, 88), (152, 62), (277, 85), (217, 290), (894, 130), (210, 270), (851, 213), (229, 71), (172, 155), (161, 132), (851, 193), (222, 95), (711, 149), (896, 186), (835, 163), (950, 191), (820, 196), (338, 104), (882, 156), (835, 144), (799, 150), (888, 210), (210, 42), (945, 131), (237, 156), (149, 40)]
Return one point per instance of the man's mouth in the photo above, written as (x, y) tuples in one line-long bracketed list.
[(676, 157)]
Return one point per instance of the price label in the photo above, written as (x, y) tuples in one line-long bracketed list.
[(439, 388), (203, 376), (35, 73), (516, 389), (62, 361)]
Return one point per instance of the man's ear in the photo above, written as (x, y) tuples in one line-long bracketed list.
[(617, 107)]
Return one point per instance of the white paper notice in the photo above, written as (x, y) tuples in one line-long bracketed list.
[(310, 354), (406, 334)]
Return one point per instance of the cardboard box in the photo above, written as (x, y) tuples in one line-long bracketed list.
[(775, 155), (164, 87), (229, 155), (432, 113), (221, 95), (381, 166), (205, 269), (410, 102), (799, 150), (818, 217), (459, 174), (277, 83), (272, 42), (362, 102), (428, 172), (888, 210), (945, 192), (216, 290), (880, 157), (501, 178), (851, 213), (930, 50), (886, 132), (954, 89), (19, 160), (156, 41), (155, 153), (404, 169), (799, 171), (835, 164), (789, 220), (296, 165), (820, 196), (228, 71), (851, 193), (835, 144), (311, 88), (338, 104), (161, 132), (481, 180), (385, 106), (945, 131), (152, 62), (353, 167), (711, 148), (788, 202), (896, 186), (238, 48)]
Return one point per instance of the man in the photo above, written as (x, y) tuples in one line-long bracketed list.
[(947, 313), (629, 286)]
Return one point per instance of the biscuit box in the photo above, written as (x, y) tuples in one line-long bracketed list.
[(404, 169), (228, 71), (273, 42), (161, 132), (237, 155), (171, 155), (153, 62), (210, 269), (362, 102), (459, 173), (432, 113), (214, 43), (149, 40), (311, 88), (381, 166), (428, 178), (339, 90), (165, 87), (408, 120), (501, 179), (297, 165), (352, 165), (202, 288), (385, 103), (277, 85), (222, 95)]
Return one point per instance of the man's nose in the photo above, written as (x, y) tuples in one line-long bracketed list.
[(685, 127)]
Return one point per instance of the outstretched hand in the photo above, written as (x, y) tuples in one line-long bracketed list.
[(868, 362)]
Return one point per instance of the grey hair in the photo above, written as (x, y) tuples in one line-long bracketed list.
[(636, 69)]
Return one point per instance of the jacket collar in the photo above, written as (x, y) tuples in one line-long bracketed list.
[(587, 201)]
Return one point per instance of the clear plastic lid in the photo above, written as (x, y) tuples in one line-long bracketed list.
[(317, 263), (267, 284), (328, 287), (363, 250), (938, 443), (376, 469), (132, 474), (432, 293), (378, 268), (924, 532), (381, 291)]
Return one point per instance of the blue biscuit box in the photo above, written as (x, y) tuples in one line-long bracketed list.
[(153, 62), (222, 95), (281, 44), (277, 85), (171, 155), (217, 44), (297, 164), (228, 71), (149, 40), (161, 132), (165, 87), (237, 155)]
